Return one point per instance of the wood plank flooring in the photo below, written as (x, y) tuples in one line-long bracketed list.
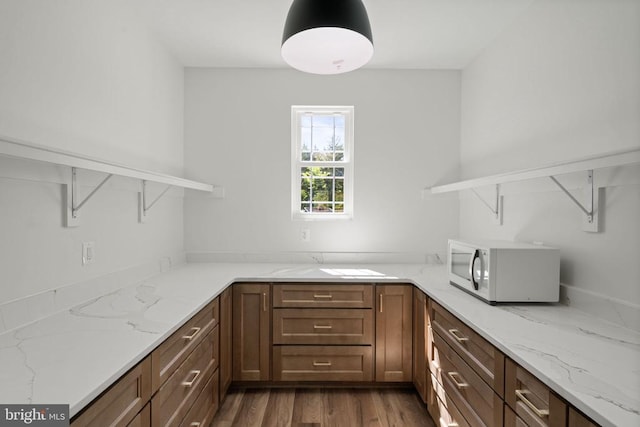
[(322, 408)]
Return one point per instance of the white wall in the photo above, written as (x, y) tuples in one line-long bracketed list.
[(84, 76), (238, 135), (88, 76), (562, 82)]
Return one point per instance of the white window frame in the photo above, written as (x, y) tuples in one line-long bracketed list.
[(297, 112)]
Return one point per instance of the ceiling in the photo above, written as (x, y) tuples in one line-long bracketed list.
[(408, 34)]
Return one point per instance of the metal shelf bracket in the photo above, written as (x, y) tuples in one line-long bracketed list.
[(497, 208), (143, 207), (592, 198), (72, 202)]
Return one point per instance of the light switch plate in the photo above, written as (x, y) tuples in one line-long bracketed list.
[(88, 253)]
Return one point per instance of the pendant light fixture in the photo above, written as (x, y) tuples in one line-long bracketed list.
[(327, 36)]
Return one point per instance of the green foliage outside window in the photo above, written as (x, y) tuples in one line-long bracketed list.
[(322, 187)]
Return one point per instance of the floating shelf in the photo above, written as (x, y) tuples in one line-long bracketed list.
[(616, 158), (40, 153), (23, 150), (591, 206)]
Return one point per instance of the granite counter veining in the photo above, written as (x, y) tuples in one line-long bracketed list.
[(72, 356)]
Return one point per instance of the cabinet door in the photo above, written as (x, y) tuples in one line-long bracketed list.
[(226, 352), (251, 325), (420, 343), (394, 333), (120, 404)]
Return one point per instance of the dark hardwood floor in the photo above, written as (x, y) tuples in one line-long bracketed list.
[(322, 408)]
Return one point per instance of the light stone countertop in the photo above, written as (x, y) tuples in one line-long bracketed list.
[(72, 356)]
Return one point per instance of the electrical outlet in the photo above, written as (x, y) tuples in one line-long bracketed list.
[(88, 253), (305, 235)]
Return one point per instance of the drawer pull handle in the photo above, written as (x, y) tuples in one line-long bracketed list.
[(443, 423), (195, 424), (264, 301), (321, 363), (194, 332), (520, 394), (454, 377), (317, 296), (195, 374), (456, 334), (322, 326), (380, 302)]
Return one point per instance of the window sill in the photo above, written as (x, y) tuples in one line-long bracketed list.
[(321, 217)]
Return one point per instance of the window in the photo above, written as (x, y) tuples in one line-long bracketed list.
[(322, 162)]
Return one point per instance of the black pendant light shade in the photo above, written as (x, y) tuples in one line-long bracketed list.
[(327, 36)]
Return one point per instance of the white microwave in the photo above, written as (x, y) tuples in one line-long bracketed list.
[(497, 271)]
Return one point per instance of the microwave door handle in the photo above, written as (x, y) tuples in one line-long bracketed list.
[(476, 255)]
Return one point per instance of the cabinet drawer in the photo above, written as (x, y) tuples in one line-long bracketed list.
[(143, 419), (531, 400), (174, 350), (442, 410), (322, 326), (119, 405), (323, 295), (486, 360), (176, 396), (475, 399), (511, 419), (206, 405), (311, 363)]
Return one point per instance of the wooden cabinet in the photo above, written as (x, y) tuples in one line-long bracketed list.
[(226, 334), (441, 409), (532, 403), (466, 371), (323, 326), (394, 335), (177, 395), (323, 332), (576, 419), (206, 405), (420, 343), (329, 333), (486, 360), (474, 398), (322, 363), (318, 295), (251, 324), (143, 419), (178, 380), (470, 378), (184, 367), (511, 419), (121, 404), (169, 355)]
